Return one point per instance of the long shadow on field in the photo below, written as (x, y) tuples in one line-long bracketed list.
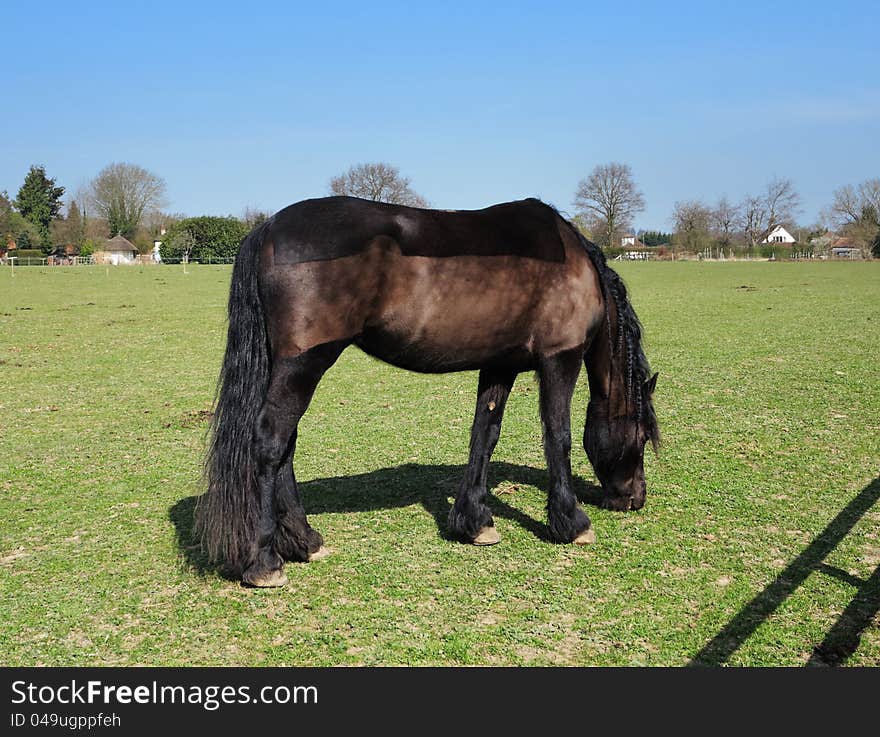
[(388, 488), (843, 638)]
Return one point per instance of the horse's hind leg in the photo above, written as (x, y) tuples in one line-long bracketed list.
[(558, 376), (470, 519), (284, 532)]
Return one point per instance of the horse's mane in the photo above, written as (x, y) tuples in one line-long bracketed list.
[(626, 347)]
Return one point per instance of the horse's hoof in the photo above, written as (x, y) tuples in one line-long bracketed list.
[(587, 537), (267, 580), (487, 536), (321, 552)]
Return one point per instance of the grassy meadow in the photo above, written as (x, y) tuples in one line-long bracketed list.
[(759, 543)]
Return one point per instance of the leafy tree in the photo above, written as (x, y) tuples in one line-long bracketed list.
[(39, 202), (76, 225), (13, 225), (123, 193), (70, 231), (6, 217), (24, 241), (655, 238), (201, 238)]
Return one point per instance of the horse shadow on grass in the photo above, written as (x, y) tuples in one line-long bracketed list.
[(844, 636), (389, 488)]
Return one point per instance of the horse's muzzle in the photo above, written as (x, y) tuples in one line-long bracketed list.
[(624, 500)]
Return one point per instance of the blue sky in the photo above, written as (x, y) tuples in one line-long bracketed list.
[(260, 104)]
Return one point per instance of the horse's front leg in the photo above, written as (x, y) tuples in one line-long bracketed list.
[(558, 376), (470, 520)]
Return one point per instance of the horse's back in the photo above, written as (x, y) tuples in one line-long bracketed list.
[(338, 227)]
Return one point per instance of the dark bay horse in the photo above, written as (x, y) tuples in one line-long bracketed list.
[(511, 288)]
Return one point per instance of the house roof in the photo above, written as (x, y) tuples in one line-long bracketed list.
[(635, 245), (844, 242), (67, 250), (778, 230), (118, 243)]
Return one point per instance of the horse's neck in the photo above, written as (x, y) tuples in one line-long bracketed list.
[(602, 369)]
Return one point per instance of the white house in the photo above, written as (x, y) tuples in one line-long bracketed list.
[(779, 235), (120, 251), (633, 249), (157, 244)]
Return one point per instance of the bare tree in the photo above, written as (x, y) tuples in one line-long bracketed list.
[(753, 219), (869, 191), (845, 208), (157, 221), (253, 216), (782, 202), (379, 182), (758, 215), (592, 227), (122, 193), (723, 221), (692, 221), (609, 195), (853, 205)]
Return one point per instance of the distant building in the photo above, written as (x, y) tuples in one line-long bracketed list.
[(63, 254), (845, 247), (633, 249), (779, 235), (822, 241), (118, 250)]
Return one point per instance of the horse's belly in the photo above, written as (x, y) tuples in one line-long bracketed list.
[(454, 314), (427, 354)]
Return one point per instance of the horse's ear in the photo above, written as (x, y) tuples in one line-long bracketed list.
[(651, 383)]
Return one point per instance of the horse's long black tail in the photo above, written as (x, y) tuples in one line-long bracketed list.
[(227, 514)]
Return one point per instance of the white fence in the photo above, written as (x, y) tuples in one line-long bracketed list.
[(16, 261)]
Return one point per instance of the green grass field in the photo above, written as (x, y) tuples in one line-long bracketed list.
[(759, 542)]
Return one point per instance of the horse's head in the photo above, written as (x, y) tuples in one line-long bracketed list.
[(615, 439)]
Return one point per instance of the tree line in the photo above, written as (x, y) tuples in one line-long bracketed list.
[(126, 199), (607, 201), (123, 199)]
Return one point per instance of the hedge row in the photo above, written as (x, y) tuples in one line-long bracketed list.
[(204, 238)]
